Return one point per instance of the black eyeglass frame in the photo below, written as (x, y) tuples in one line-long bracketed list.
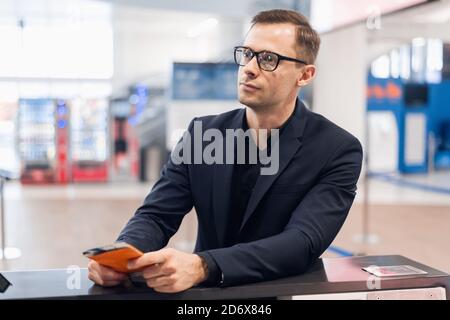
[(257, 53)]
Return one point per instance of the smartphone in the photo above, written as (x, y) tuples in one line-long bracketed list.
[(115, 256)]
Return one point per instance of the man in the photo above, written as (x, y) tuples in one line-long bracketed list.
[(252, 227)]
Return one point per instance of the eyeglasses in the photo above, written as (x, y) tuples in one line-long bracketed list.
[(266, 60)]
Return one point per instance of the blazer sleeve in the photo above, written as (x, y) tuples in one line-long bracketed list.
[(160, 216), (311, 229)]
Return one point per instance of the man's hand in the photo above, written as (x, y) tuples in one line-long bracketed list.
[(170, 270), (105, 276)]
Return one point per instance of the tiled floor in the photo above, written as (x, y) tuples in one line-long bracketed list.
[(52, 225)]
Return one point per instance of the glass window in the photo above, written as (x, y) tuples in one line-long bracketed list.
[(57, 39)]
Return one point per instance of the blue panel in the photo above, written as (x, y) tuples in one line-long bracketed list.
[(192, 81), (204, 81), (384, 94), (442, 159), (439, 97), (225, 81)]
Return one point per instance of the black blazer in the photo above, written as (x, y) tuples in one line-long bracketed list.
[(291, 218)]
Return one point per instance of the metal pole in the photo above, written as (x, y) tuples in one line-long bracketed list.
[(365, 238), (6, 253), (366, 226), (366, 207)]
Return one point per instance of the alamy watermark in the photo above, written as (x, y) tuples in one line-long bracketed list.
[(373, 21), (73, 281), (373, 282), (213, 147)]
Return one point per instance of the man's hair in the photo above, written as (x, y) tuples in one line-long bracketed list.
[(307, 38)]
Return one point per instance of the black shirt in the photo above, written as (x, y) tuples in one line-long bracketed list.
[(244, 179)]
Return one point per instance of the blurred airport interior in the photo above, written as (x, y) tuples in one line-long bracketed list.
[(94, 95)]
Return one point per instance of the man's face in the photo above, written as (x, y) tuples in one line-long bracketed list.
[(259, 89)]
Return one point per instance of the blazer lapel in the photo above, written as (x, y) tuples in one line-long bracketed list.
[(289, 143), (223, 174)]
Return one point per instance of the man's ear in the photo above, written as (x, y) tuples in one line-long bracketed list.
[(307, 74)]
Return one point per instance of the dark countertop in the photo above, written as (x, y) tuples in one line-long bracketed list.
[(337, 275)]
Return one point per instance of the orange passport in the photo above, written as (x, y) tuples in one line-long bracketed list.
[(115, 256)]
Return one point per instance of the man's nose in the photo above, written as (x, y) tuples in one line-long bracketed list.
[(251, 69)]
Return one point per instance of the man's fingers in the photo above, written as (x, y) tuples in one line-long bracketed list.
[(160, 281), (147, 260), (111, 283), (94, 265), (167, 289), (104, 275), (109, 274), (95, 277), (153, 271)]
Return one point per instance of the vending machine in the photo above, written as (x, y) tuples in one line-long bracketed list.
[(125, 144), (42, 126), (89, 140)]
